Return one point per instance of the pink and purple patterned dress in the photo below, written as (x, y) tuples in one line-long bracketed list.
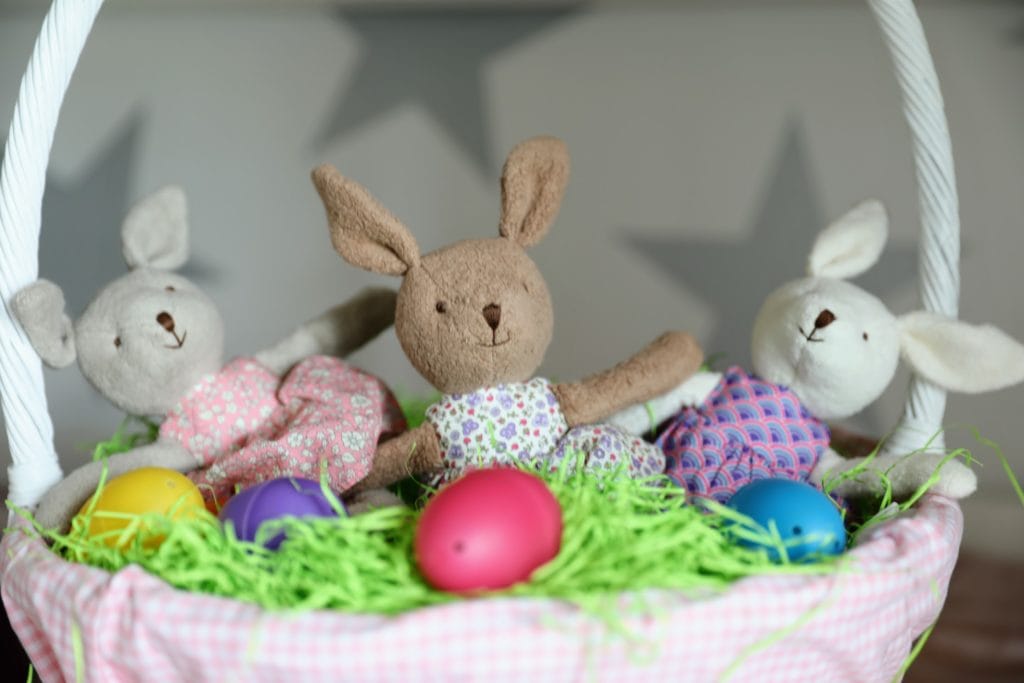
[(247, 425), (523, 422), (747, 429)]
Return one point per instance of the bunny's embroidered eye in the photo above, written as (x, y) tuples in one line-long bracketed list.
[(169, 288), (526, 288), (441, 307), (117, 342), (865, 335)]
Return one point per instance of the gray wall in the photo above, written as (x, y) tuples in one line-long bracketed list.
[(710, 141)]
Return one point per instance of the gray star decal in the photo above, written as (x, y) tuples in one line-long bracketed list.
[(1017, 35), (434, 58), (736, 278), (80, 241)]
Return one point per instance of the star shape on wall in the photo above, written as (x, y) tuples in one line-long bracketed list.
[(80, 240), (1017, 34), (433, 58), (736, 278)]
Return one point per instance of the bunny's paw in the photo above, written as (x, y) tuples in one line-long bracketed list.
[(909, 473), (906, 474)]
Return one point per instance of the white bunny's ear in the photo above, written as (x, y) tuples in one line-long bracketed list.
[(39, 308), (960, 357), (851, 244), (155, 232)]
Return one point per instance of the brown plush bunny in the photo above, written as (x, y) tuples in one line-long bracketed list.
[(475, 319)]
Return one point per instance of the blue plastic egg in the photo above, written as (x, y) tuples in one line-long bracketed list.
[(808, 522)]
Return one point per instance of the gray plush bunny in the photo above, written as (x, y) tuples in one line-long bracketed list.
[(150, 336)]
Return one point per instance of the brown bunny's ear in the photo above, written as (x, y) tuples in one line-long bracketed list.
[(532, 184), (365, 233)]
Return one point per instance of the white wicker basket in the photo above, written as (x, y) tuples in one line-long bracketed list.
[(80, 622)]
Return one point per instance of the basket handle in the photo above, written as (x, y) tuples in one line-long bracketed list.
[(938, 265), (35, 467)]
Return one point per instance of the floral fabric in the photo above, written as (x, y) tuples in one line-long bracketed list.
[(523, 422), (247, 425)]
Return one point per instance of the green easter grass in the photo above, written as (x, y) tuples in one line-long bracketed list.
[(619, 534), (133, 432), (414, 406)]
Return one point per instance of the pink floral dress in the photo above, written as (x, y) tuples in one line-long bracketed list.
[(523, 422), (247, 425)]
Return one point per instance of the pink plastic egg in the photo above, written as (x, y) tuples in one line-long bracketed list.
[(488, 530)]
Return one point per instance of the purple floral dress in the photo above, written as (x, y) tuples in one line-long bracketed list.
[(523, 422)]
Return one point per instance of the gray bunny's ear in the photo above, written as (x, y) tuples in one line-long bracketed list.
[(155, 232), (40, 310)]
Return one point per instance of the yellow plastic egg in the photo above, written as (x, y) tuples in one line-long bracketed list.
[(148, 490)]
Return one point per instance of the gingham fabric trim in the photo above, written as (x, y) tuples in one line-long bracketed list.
[(856, 624)]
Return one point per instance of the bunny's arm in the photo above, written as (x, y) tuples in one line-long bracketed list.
[(641, 418), (62, 502), (416, 451), (660, 366), (336, 332)]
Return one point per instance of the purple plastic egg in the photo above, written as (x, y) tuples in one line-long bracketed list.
[(271, 500)]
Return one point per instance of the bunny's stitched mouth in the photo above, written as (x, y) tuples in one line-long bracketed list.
[(809, 337), (181, 341), (495, 343)]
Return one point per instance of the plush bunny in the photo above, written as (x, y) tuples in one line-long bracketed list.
[(823, 349), (475, 319), (152, 343)]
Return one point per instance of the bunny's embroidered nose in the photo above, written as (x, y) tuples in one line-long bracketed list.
[(824, 319), (492, 314), (165, 320)]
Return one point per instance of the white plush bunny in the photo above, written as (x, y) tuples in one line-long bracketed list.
[(836, 347)]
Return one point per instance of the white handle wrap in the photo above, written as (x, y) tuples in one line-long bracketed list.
[(23, 177), (939, 245), (22, 180)]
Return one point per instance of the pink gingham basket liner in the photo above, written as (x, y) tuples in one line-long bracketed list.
[(856, 624)]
